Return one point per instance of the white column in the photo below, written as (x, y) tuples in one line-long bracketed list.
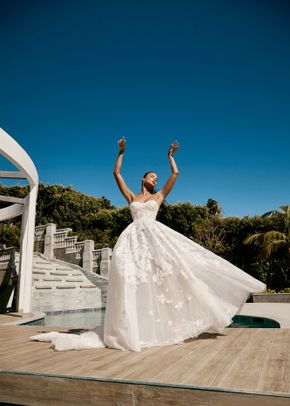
[(26, 170), (49, 240), (26, 253), (88, 255)]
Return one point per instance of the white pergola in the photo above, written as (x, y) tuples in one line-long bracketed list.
[(26, 207)]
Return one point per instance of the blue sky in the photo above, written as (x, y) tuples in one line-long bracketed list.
[(77, 75)]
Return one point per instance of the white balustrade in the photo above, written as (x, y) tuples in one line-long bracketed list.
[(63, 230), (79, 247), (97, 255), (39, 233), (70, 244), (5, 257), (92, 260), (59, 240), (60, 237)]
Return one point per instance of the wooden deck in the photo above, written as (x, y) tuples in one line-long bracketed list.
[(241, 366)]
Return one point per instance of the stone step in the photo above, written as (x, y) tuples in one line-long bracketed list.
[(52, 280), (64, 269), (77, 275), (61, 266), (41, 268), (42, 287), (41, 261), (65, 287), (88, 286), (59, 274), (46, 265), (39, 272), (74, 280)]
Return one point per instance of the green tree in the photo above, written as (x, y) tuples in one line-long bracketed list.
[(273, 251), (270, 242), (214, 208)]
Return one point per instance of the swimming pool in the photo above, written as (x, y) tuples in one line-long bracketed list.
[(80, 319), (91, 318)]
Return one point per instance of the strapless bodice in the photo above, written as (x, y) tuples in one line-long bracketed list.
[(144, 211)]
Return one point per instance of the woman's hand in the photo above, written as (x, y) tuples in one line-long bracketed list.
[(122, 144), (173, 148)]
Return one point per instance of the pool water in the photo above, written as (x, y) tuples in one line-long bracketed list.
[(78, 319), (95, 317), (240, 321)]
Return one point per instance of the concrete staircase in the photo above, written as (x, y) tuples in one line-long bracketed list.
[(61, 286)]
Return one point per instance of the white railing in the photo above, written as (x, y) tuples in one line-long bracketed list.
[(60, 237), (97, 256), (5, 256), (39, 233), (70, 244), (63, 230), (59, 240), (79, 248), (93, 260)]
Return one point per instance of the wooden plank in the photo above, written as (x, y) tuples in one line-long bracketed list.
[(174, 366), (136, 366), (150, 360), (116, 365), (242, 338), (239, 358), (245, 370), (33, 390), (86, 367), (59, 391), (243, 399), (6, 318), (276, 372), (189, 369)]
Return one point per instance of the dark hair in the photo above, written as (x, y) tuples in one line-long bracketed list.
[(144, 176)]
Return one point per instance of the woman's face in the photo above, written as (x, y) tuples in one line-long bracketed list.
[(150, 180)]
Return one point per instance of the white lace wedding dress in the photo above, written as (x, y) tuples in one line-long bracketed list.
[(163, 288)]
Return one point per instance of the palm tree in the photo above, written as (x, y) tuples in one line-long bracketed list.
[(271, 241)]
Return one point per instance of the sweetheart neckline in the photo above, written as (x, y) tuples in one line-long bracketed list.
[(151, 200)]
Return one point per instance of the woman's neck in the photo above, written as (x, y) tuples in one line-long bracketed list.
[(145, 192)]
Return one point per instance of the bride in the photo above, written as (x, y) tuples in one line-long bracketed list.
[(163, 288)]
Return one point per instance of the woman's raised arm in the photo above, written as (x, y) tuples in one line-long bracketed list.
[(174, 170), (128, 194)]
